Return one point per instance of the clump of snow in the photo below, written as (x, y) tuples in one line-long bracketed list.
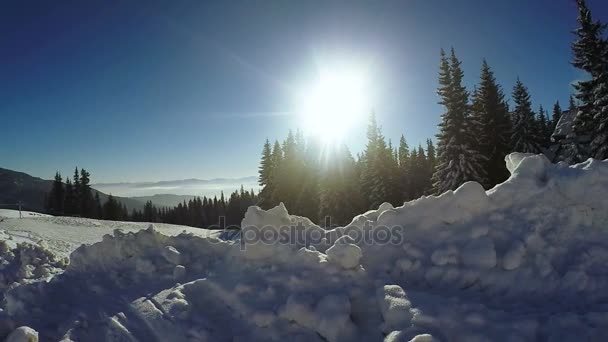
[(26, 263), (344, 253), (394, 306), (23, 334)]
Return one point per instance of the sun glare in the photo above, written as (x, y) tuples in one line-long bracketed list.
[(334, 105)]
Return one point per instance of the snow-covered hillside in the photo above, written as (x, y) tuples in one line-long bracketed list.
[(63, 235), (525, 261)]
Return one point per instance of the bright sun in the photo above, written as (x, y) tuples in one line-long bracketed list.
[(334, 105)]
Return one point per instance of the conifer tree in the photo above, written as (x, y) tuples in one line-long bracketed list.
[(544, 130), (557, 114), (525, 133), (76, 193), (98, 207), (404, 165), (491, 126), (339, 196), (266, 176), (377, 175), (589, 51), (308, 199), (430, 166), (69, 198), (457, 161), (86, 199), (57, 195)]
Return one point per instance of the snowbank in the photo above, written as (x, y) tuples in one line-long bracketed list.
[(524, 261)]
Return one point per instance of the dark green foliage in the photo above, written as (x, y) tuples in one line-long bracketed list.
[(457, 159), (525, 135), (492, 126)]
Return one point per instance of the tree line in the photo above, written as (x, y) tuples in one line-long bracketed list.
[(327, 181), (478, 129), (75, 198), (202, 213)]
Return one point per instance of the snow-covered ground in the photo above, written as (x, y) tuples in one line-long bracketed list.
[(64, 234), (525, 261)]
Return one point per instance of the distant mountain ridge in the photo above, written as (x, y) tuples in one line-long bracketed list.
[(177, 182), (188, 188), (31, 191)]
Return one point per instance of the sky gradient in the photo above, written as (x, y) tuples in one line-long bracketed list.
[(147, 91)]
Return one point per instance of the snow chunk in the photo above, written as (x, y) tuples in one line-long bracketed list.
[(23, 334), (299, 309), (171, 254), (394, 306), (423, 338), (333, 312), (179, 272), (345, 253), (479, 253)]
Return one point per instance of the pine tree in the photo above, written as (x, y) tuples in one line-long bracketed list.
[(404, 164), (491, 126), (589, 51), (98, 207), (76, 193), (265, 165), (266, 174), (57, 195), (525, 132), (457, 161), (339, 196), (430, 166), (86, 199), (377, 175), (557, 114), (544, 130), (69, 198), (308, 199)]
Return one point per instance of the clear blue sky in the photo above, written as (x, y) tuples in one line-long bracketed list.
[(138, 90)]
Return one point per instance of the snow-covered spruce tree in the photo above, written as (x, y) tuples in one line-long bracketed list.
[(457, 161), (431, 161), (377, 181), (525, 132), (290, 172), (557, 114), (492, 126), (589, 51), (543, 127), (265, 172)]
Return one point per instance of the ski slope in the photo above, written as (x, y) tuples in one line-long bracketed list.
[(525, 261)]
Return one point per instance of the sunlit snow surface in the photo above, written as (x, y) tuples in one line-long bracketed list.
[(525, 261)]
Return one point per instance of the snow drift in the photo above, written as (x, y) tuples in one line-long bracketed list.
[(524, 261)]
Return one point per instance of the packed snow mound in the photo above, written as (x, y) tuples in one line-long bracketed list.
[(525, 261), (26, 263)]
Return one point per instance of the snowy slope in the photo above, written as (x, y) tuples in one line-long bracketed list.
[(64, 234), (525, 261)]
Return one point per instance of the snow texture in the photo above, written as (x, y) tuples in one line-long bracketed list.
[(524, 261)]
